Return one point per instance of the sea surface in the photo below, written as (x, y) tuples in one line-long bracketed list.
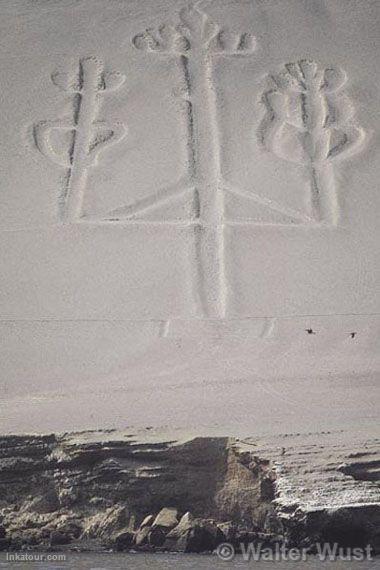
[(142, 561)]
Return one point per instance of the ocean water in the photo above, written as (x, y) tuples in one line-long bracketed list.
[(142, 561)]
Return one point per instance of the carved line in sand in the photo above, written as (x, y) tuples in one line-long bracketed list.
[(308, 120), (242, 330), (195, 41), (85, 136)]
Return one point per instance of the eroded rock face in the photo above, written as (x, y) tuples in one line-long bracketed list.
[(327, 488), (83, 488), (119, 491)]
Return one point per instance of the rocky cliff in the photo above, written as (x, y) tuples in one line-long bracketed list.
[(143, 490)]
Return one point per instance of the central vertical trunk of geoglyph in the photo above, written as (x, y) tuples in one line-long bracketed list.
[(203, 134), (196, 41)]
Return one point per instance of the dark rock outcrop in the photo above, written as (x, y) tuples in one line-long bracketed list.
[(117, 491), (123, 540)]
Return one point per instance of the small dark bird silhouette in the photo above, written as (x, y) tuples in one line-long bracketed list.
[(310, 331)]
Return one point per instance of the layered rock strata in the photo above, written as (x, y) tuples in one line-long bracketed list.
[(144, 491)]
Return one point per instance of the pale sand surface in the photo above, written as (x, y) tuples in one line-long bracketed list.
[(189, 218)]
